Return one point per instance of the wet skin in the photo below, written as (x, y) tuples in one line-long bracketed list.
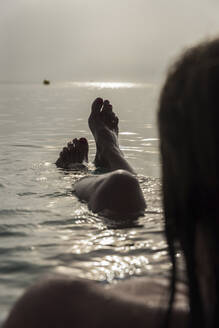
[(114, 194)]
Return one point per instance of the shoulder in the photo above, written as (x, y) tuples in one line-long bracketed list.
[(150, 296), (62, 302)]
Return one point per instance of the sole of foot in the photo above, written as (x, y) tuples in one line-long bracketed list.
[(74, 155), (103, 119)]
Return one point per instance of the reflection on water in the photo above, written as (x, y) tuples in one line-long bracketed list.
[(43, 226), (112, 85), (116, 254)]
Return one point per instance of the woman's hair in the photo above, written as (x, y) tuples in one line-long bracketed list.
[(188, 119)]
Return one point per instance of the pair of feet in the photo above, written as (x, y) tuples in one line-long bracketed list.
[(103, 124)]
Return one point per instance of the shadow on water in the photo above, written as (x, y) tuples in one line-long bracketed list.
[(113, 223)]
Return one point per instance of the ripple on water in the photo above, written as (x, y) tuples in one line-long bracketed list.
[(13, 266), (26, 146), (19, 211), (55, 194), (62, 222), (15, 249), (7, 232), (27, 193)]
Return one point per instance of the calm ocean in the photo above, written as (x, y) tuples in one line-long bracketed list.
[(43, 227)]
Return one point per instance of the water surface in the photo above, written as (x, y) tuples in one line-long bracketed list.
[(43, 227)]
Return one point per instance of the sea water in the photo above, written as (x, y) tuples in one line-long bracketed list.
[(44, 229)]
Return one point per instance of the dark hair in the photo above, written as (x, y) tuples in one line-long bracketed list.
[(188, 119)]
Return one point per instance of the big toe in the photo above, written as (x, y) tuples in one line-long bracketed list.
[(108, 116), (96, 106), (107, 107)]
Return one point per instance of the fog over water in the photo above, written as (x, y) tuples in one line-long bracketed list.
[(116, 40)]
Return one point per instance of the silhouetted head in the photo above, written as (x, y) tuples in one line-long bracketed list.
[(188, 119)]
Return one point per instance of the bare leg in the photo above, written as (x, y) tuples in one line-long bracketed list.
[(104, 126), (114, 194)]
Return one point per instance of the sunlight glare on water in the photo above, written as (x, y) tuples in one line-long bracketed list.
[(113, 85)]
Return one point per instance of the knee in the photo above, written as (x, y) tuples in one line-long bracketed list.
[(120, 192), (122, 181)]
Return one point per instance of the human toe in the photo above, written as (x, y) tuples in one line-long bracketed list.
[(107, 107), (97, 105)]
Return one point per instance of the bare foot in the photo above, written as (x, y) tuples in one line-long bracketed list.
[(75, 153), (103, 124)]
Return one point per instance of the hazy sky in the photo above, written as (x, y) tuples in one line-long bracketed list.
[(122, 40)]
